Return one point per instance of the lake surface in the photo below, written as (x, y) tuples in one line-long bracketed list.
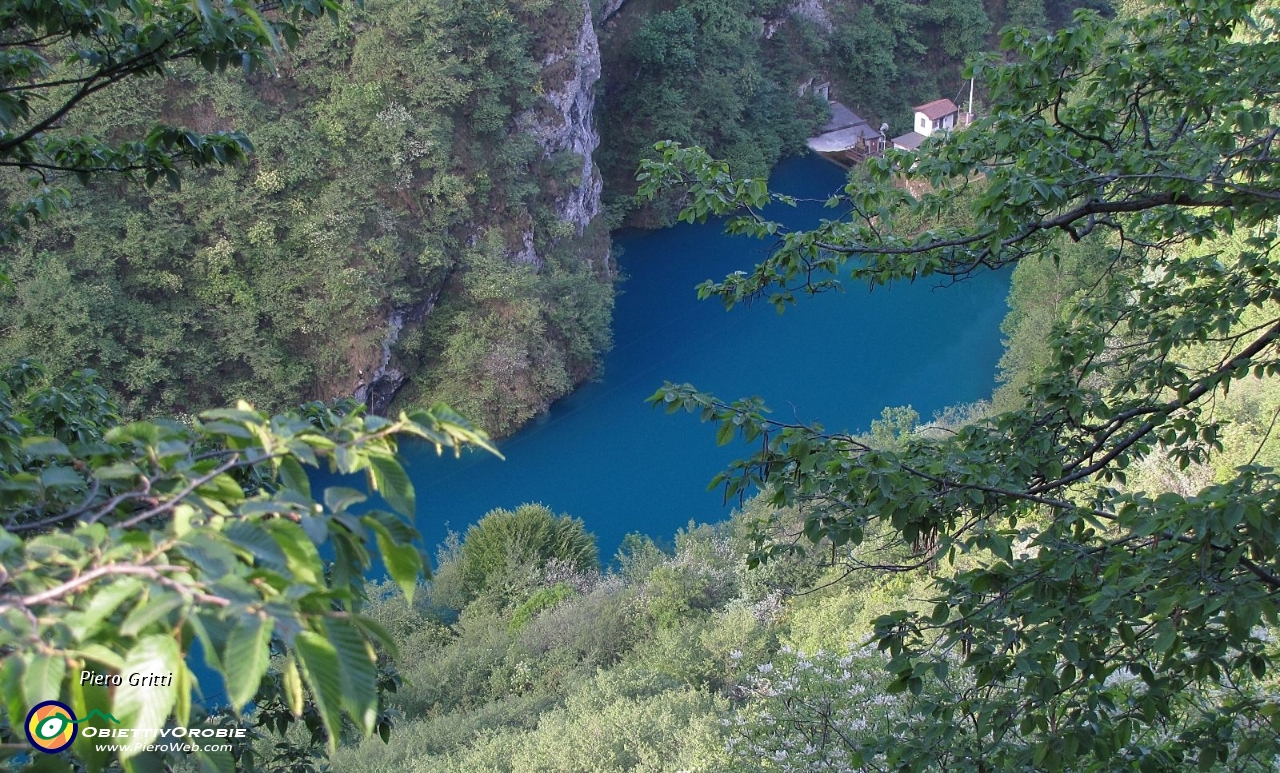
[(603, 455)]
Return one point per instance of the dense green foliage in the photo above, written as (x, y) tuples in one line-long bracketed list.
[(388, 174), (126, 544), (888, 55), (737, 77), (54, 56), (1110, 621), (505, 544), (595, 681), (1082, 575), (508, 339), (700, 72), (688, 660)]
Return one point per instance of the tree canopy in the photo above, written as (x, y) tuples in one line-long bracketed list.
[(56, 55), (508, 542), (1082, 620), (392, 180)]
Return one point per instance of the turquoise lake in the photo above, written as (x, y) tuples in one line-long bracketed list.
[(603, 455)]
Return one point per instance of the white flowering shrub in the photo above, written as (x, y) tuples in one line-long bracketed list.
[(819, 712)]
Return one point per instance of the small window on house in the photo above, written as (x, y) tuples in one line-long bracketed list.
[(922, 122)]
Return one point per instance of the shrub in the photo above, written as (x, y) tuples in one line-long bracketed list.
[(607, 728), (596, 629), (542, 600), (506, 543)]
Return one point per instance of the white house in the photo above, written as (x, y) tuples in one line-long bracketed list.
[(937, 116)]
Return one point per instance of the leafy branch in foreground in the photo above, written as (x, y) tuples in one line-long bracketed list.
[(125, 544), (1104, 626), (56, 54)]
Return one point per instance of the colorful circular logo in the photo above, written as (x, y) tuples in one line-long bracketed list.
[(51, 726)]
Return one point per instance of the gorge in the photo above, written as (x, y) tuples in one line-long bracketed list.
[(434, 205), (601, 454)]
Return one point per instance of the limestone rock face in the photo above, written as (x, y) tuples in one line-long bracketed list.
[(564, 121), (377, 388), (569, 125)]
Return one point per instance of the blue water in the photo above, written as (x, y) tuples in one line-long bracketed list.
[(603, 455)]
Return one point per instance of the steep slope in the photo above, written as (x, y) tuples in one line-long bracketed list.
[(423, 175), (562, 123)]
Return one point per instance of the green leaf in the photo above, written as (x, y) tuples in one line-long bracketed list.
[(42, 678), (49, 763), (43, 447), (390, 480), (339, 498), (108, 598), (117, 471), (60, 477), (358, 672), (259, 543), (83, 698), (294, 477), (293, 686), (222, 489), (301, 558), (101, 655), (150, 610), (144, 762), (403, 560), (214, 760), (183, 682), (320, 664), (11, 690), (375, 632), (246, 658), (139, 707)]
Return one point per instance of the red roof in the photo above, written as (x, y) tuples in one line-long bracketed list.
[(937, 109)]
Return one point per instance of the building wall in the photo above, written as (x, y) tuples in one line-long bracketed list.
[(926, 127)]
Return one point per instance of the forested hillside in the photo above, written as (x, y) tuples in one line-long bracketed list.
[(1082, 574), (419, 220), (1079, 575), (413, 161), (736, 77)]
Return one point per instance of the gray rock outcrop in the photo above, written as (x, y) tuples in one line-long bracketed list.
[(569, 125), (564, 123)]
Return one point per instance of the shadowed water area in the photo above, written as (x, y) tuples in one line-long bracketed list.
[(603, 455)]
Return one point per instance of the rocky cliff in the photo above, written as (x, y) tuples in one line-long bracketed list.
[(561, 122), (569, 125)]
